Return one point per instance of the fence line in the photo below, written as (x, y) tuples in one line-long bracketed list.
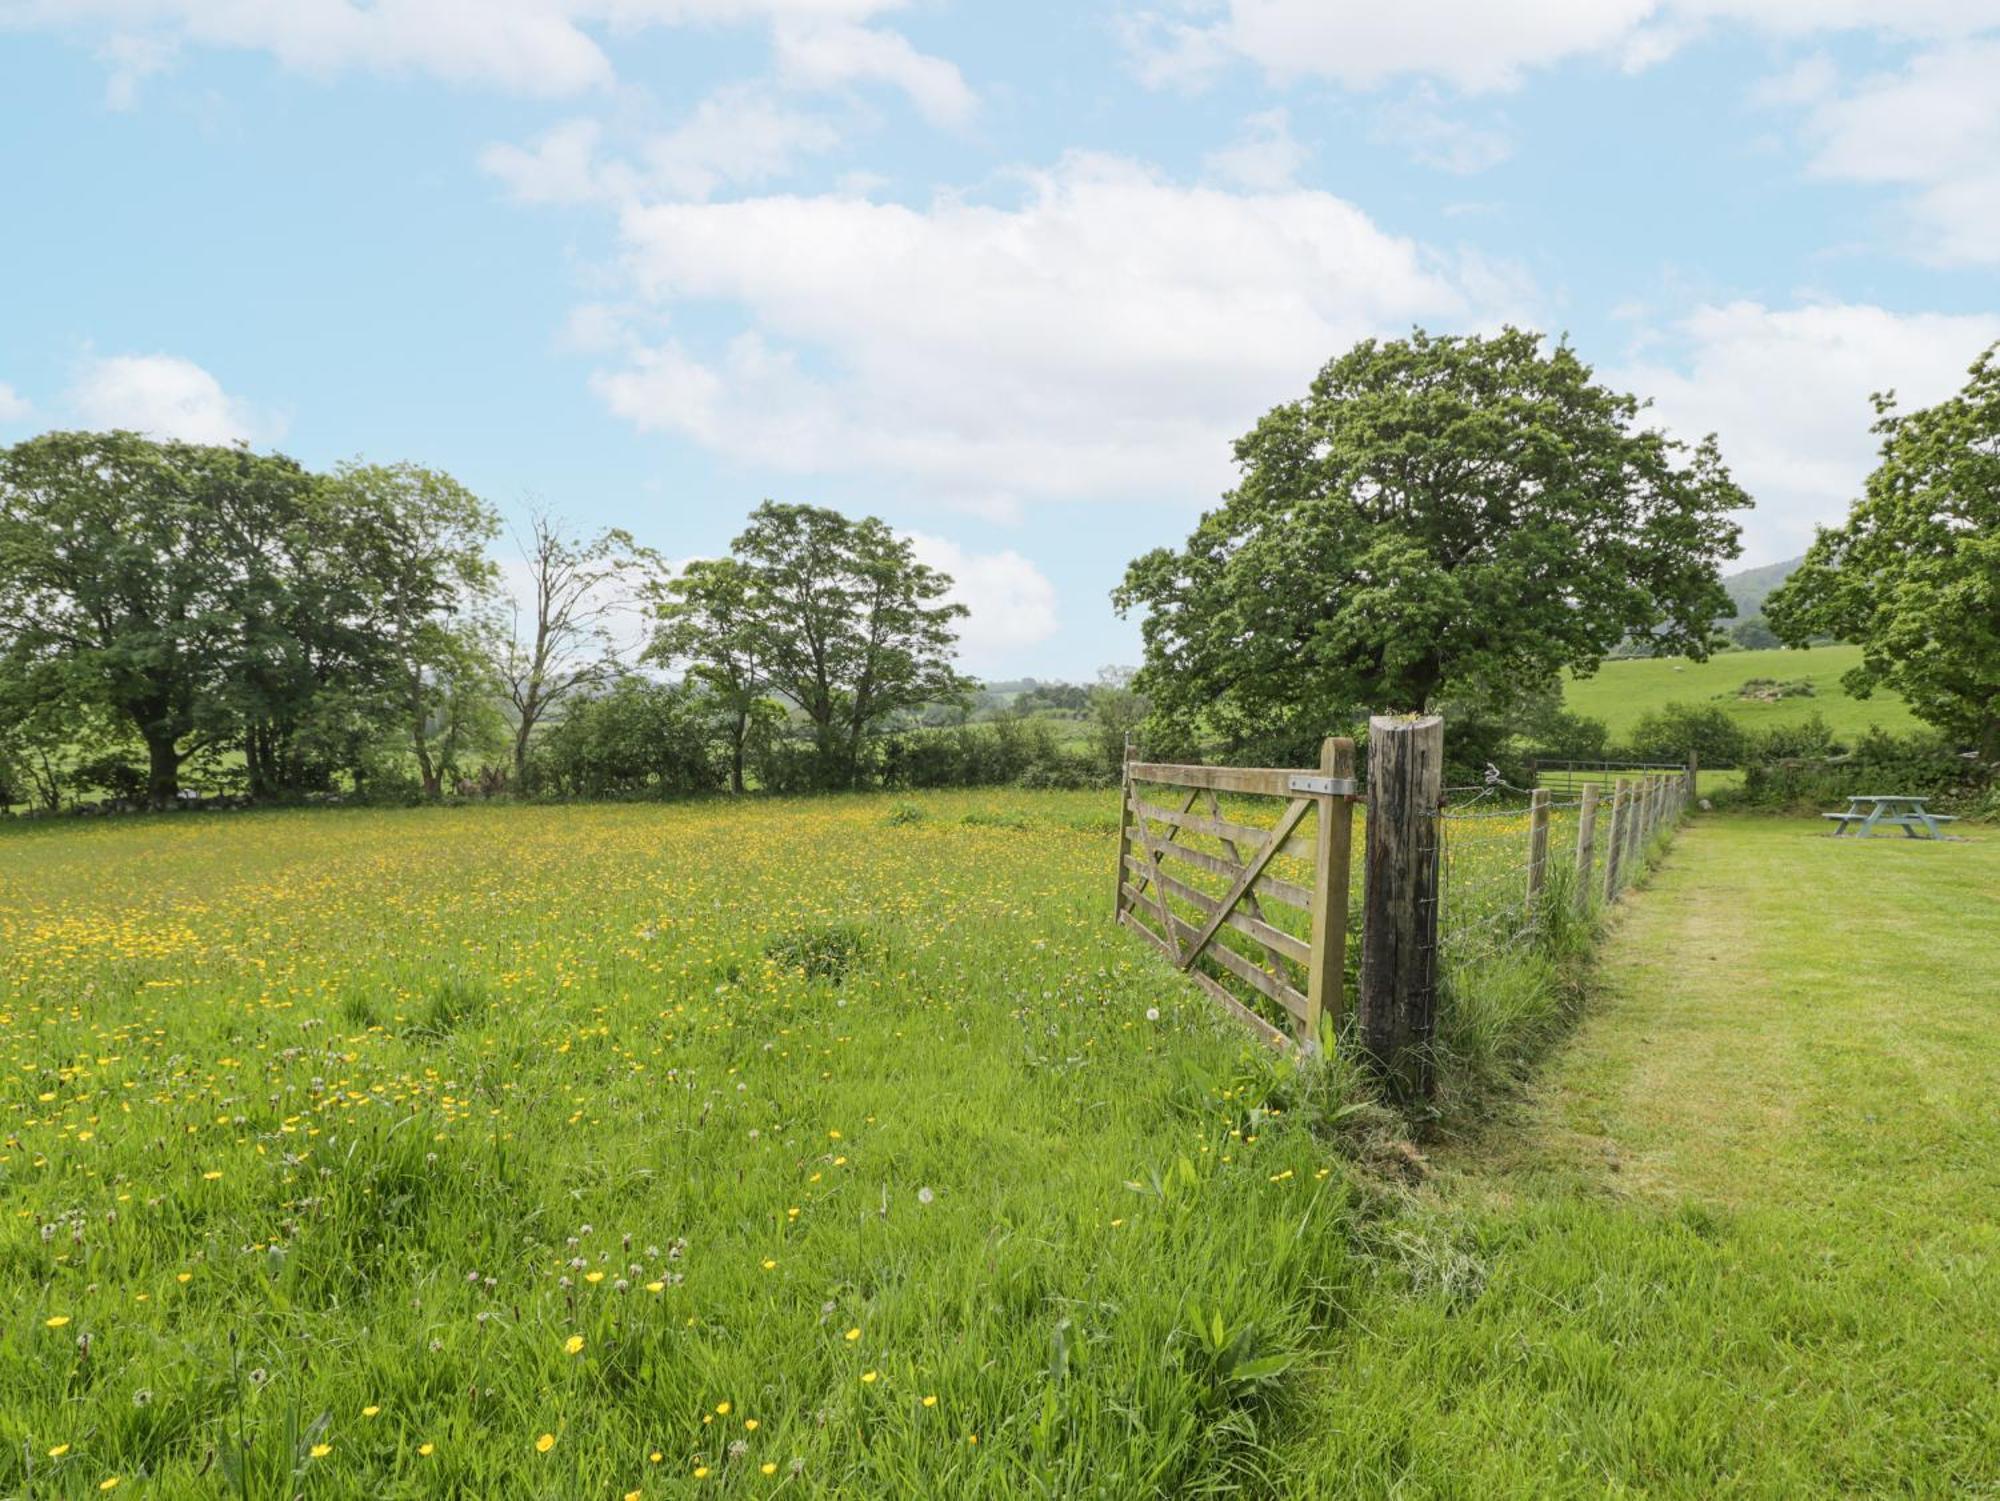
[(1252, 897)]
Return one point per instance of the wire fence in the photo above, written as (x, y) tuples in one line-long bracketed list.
[(1510, 857)]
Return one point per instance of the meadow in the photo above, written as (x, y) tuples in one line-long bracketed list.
[(1620, 692), (839, 1147), (845, 1147)]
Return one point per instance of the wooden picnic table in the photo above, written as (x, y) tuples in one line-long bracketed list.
[(1867, 812)]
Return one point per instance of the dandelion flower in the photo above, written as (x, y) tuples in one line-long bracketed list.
[(320, 1451), (749, 1425), (722, 1409), (769, 1467), (58, 1451), (427, 1450), (211, 1177), (930, 1401), (769, 1264), (701, 1472), (573, 1345), (655, 1457), (853, 1335), (57, 1320), (545, 1443), (110, 1484), (631, 1496), (370, 1411), (868, 1378), (656, 1287)]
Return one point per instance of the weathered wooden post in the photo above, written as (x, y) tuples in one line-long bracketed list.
[(1396, 1011), (1693, 777), (1332, 856), (1124, 827), (1635, 831), (1538, 845), (1621, 833), (1586, 845)]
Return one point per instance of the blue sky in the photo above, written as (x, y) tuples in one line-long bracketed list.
[(1011, 276)]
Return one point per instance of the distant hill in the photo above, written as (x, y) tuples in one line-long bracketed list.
[(1750, 588), (1619, 692)]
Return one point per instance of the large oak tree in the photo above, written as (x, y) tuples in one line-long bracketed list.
[(1913, 578), (1439, 520)]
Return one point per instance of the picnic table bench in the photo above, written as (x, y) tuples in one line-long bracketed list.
[(1867, 813)]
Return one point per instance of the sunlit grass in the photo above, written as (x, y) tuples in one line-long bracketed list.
[(584, 1151)]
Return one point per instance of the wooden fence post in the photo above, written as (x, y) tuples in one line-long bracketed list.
[(1586, 845), (1694, 776), (1538, 845), (1332, 857), (1124, 828), (1635, 830), (1614, 847), (1397, 1008)]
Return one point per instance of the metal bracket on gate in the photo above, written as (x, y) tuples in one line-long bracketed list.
[(1327, 786)]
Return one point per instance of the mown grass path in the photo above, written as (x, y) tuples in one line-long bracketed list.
[(1743, 1241)]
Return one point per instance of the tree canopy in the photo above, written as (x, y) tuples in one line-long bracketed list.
[(834, 615), (1913, 577), (199, 597), (1439, 519)]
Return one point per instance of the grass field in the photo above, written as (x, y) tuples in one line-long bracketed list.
[(845, 1148), (1619, 692), (1745, 1239), (510, 1152)]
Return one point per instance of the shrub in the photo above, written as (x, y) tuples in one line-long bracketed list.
[(1668, 733), (641, 737), (1920, 765), (825, 952)]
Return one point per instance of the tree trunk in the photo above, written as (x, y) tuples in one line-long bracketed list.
[(738, 733), (163, 771)]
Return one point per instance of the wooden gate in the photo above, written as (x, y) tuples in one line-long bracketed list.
[(1209, 916)]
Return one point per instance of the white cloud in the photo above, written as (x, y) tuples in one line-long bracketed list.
[(739, 135), (1786, 392), (1265, 158), (547, 48), (1012, 602), (162, 395), (1423, 127), (132, 59), (824, 54), (1490, 44), (1109, 335), (1932, 126), (14, 407)]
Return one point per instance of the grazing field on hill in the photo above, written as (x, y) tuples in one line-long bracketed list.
[(596, 1151), (1620, 692), (1745, 1240)]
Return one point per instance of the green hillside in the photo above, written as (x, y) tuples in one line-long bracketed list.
[(1749, 589), (1619, 692)]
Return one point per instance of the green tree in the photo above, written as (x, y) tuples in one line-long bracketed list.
[(1669, 732), (845, 623), (706, 624), (201, 596), (416, 541), (563, 642), (1913, 578), (110, 549), (635, 737), (1754, 633), (1438, 519)]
